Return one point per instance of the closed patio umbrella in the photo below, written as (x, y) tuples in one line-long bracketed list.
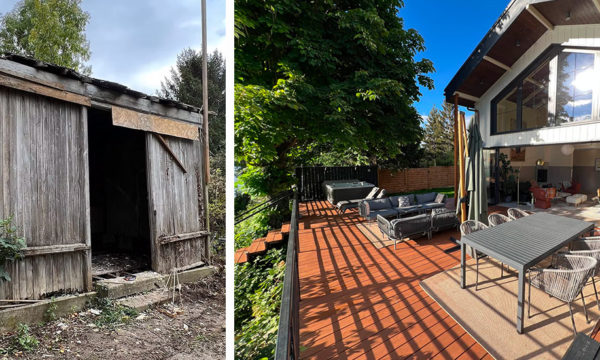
[(475, 175)]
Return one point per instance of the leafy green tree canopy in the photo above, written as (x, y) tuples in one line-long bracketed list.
[(48, 30), (334, 75), (438, 142)]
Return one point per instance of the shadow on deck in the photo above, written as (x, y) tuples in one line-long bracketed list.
[(358, 301)]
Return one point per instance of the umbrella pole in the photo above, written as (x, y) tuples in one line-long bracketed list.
[(461, 150), (456, 138)]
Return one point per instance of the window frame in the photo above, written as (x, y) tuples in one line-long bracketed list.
[(550, 55)]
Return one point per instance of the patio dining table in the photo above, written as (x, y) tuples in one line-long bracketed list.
[(523, 243)]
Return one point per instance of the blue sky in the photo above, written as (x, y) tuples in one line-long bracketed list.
[(135, 42), (451, 30)]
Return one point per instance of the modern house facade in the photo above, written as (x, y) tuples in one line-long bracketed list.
[(534, 84)]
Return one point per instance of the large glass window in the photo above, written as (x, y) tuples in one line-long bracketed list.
[(506, 111), (559, 89), (575, 85), (535, 98)]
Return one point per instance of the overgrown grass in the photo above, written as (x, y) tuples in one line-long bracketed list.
[(112, 314)]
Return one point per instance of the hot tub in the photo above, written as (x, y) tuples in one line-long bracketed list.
[(338, 190)]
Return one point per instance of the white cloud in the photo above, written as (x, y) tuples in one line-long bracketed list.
[(148, 79), (578, 103)]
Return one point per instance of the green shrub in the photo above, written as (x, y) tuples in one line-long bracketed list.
[(258, 288), (11, 246), (24, 341)]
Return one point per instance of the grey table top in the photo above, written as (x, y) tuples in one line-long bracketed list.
[(526, 241)]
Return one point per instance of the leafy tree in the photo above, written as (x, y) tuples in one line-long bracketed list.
[(185, 85), (438, 142), (48, 30), (334, 75)]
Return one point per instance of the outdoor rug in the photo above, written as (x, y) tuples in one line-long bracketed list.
[(489, 314), (371, 231)]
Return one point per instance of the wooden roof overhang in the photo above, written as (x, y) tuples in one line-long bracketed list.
[(521, 24), (129, 108)]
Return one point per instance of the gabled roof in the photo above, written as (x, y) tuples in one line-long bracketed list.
[(520, 25)]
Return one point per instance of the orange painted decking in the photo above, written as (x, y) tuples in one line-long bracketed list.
[(360, 302)]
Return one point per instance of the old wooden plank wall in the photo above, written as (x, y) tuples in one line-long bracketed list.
[(173, 202), (43, 166)]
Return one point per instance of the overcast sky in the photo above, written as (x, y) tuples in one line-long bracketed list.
[(135, 42)]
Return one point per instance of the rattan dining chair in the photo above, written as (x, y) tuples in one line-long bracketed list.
[(468, 227), (588, 246), (497, 219), (515, 213), (564, 280)]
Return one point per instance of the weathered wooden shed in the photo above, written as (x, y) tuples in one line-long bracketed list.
[(90, 166)]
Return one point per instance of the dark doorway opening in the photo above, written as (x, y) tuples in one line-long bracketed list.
[(118, 197)]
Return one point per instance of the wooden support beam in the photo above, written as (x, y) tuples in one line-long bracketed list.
[(54, 249), (456, 149), (146, 122), (466, 96), (31, 87), (165, 145), (496, 62), (179, 237), (538, 15)]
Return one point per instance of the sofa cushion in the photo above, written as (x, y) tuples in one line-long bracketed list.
[(403, 201), (425, 198), (440, 198), (379, 204)]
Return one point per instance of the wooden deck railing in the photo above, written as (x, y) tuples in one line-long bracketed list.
[(288, 335)]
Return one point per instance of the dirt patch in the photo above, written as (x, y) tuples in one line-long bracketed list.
[(196, 332)]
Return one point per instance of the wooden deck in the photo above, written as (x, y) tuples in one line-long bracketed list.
[(360, 302)]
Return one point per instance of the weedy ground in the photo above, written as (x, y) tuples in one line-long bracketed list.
[(108, 331)]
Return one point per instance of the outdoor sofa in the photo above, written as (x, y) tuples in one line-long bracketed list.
[(423, 224), (401, 205)]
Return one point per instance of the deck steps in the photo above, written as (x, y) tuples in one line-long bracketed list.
[(260, 246), (241, 256), (274, 237), (285, 228), (257, 247)]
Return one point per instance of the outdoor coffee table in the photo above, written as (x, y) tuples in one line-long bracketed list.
[(413, 210), (522, 243)]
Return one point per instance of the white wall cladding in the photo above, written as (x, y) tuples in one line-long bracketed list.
[(575, 35)]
